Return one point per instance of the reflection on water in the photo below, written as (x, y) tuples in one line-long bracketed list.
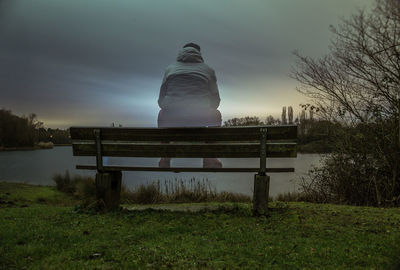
[(38, 167)]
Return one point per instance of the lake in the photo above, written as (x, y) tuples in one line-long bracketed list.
[(37, 167)]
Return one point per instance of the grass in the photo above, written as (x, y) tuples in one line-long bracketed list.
[(296, 235), (17, 194)]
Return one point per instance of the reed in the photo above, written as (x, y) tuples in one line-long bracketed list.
[(168, 191), (179, 191), (44, 145)]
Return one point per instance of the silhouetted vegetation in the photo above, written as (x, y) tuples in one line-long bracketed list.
[(28, 132), (18, 131), (314, 135), (56, 136), (244, 121), (80, 186), (356, 87)]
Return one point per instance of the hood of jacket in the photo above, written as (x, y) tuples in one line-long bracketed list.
[(190, 55)]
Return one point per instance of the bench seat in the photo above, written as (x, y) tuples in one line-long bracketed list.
[(192, 142)]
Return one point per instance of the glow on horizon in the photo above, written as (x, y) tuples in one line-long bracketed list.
[(134, 110), (71, 65)]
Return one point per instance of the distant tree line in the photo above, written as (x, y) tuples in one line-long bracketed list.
[(314, 135), (27, 131), (244, 121), (56, 136), (16, 131)]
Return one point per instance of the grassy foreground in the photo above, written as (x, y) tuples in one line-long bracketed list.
[(40, 229)]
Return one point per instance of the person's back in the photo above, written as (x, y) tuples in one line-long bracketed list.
[(189, 95), (186, 90)]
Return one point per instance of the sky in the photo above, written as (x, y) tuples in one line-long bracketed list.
[(97, 62)]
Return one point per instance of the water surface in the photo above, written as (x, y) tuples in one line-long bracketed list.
[(37, 167)]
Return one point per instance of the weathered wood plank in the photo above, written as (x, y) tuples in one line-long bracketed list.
[(182, 150), (183, 169), (261, 193), (108, 188), (284, 132)]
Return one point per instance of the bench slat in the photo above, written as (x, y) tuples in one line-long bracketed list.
[(183, 169), (284, 132), (182, 150)]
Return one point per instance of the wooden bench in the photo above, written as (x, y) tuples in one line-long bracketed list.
[(199, 142)]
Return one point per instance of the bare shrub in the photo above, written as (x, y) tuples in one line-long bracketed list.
[(77, 185), (64, 182), (85, 187), (144, 194), (345, 179), (169, 191), (288, 197)]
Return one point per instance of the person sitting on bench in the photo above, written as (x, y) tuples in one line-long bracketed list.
[(189, 97)]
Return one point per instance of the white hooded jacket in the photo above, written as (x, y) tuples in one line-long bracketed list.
[(189, 84)]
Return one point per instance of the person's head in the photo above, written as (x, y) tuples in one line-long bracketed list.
[(193, 45)]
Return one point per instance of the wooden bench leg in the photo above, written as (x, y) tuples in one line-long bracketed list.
[(108, 188), (261, 194)]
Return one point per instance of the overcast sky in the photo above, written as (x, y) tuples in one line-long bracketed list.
[(94, 62)]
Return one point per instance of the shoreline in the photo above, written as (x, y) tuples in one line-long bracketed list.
[(30, 148)]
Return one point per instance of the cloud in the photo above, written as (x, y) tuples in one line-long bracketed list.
[(58, 57)]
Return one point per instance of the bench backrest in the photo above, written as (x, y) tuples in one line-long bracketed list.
[(223, 142)]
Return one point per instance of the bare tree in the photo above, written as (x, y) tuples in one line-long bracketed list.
[(360, 78), (357, 85), (270, 120), (283, 118), (290, 114), (302, 116), (244, 121)]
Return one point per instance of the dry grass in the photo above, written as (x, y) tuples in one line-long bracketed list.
[(169, 191), (179, 191), (82, 187), (289, 197), (45, 145)]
